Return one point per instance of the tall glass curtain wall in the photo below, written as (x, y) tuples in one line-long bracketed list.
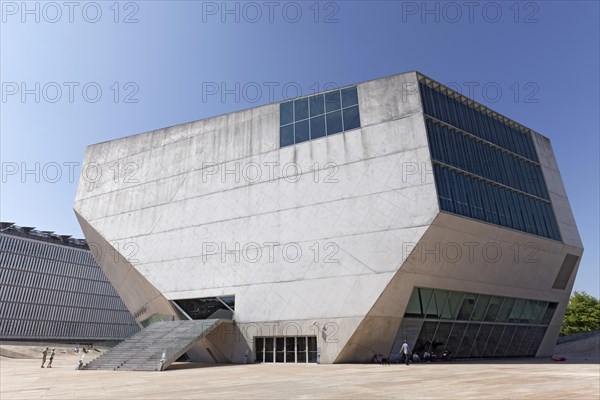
[(484, 168), (474, 325), (53, 291), (313, 117)]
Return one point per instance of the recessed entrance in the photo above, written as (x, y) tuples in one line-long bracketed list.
[(286, 349)]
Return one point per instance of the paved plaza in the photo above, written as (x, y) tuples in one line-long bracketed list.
[(532, 379)]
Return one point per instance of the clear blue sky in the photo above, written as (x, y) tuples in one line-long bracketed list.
[(536, 62)]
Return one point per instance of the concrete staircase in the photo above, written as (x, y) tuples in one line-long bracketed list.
[(144, 350)]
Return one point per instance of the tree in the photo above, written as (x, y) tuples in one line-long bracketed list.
[(582, 314)]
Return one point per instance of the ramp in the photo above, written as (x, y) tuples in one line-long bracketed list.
[(155, 347)]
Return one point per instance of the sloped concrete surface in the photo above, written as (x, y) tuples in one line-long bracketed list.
[(580, 347)]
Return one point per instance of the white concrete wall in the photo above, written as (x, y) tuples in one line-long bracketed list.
[(376, 192), (171, 203), (462, 254)]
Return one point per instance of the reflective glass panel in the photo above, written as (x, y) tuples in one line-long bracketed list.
[(334, 122), (425, 337), (505, 340), (300, 109), (499, 336), (466, 309), (290, 349), (538, 310), (332, 101), (516, 311), (493, 309), (269, 349), (351, 118), (450, 310), (493, 340), (312, 349), (523, 349), (349, 97), (480, 307), (505, 310), (425, 295), (549, 313), (301, 349), (317, 105), (324, 114), (513, 347), (440, 339), (537, 334), (317, 127), (456, 335), (413, 309), (279, 349), (467, 341), (286, 113), (302, 131)]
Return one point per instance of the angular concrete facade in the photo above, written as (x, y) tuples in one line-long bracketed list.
[(326, 238)]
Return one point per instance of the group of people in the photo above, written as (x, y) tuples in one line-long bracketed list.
[(406, 355), (45, 354), (53, 352)]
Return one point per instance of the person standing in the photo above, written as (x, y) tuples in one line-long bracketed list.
[(405, 351), (44, 354), (51, 358)]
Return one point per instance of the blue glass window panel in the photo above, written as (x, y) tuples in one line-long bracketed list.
[(505, 310), (517, 311), (414, 308), (351, 118), (332, 101), (492, 342), (302, 133), (505, 340), (464, 195), (537, 218), (455, 337), (481, 340), (349, 97), (549, 313), (440, 340), (301, 109), (538, 309), (480, 307), (317, 105), (286, 135), (477, 122), (466, 153), (425, 296), (334, 122), (317, 127), (518, 336), (538, 333), (286, 113)]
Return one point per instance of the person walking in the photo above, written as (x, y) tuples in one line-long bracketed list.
[(51, 358), (44, 354), (405, 352)]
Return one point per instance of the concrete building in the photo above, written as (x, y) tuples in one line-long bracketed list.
[(338, 224), (52, 289)]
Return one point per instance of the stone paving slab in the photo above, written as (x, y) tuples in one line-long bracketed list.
[(536, 379)]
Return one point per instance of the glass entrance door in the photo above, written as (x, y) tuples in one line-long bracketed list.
[(288, 349)]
